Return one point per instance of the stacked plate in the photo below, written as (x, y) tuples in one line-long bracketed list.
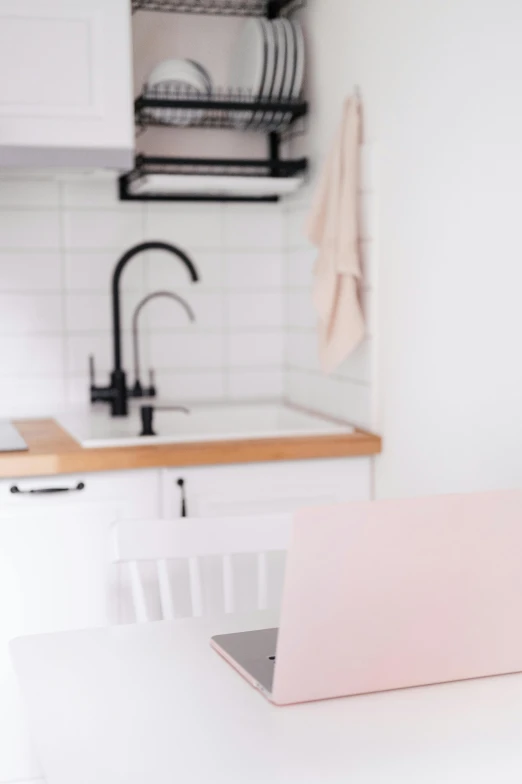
[(178, 79), (268, 64)]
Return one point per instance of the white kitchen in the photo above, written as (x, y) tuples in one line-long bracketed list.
[(183, 185)]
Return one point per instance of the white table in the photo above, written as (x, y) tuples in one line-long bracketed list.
[(153, 704)]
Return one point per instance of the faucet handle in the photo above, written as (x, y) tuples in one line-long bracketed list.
[(92, 370), (152, 383)]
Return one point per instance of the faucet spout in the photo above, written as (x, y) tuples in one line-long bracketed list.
[(138, 390)]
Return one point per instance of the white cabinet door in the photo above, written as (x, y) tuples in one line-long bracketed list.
[(55, 574), (132, 494), (65, 84), (265, 488)]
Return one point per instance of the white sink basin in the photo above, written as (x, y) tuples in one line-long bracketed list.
[(217, 422)]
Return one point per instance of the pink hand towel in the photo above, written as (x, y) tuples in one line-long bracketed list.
[(333, 228)]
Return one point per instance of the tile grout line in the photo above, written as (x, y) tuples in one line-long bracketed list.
[(63, 273)]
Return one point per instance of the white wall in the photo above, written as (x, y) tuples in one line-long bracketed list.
[(59, 242), (441, 87)]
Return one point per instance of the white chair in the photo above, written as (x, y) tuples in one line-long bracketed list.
[(161, 541)]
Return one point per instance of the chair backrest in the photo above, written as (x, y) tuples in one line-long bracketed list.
[(161, 541)]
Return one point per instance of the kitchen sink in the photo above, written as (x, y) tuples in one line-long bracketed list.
[(94, 428)]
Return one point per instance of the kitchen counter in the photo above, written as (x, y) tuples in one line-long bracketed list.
[(51, 450)]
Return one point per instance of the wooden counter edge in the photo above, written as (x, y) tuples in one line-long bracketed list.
[(53, 451)]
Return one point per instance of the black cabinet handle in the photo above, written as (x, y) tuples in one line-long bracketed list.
[(48, 490), (181, 485)]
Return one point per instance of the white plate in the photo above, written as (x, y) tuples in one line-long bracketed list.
[(215, 185), (171, 76), (300, 60), (172, 71), (291, 61), (248, 65), (270, 72), (281, 65)]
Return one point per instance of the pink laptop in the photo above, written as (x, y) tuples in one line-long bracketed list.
[(392, 594)]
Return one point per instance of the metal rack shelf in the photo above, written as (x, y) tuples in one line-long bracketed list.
[(270, 8), (175, 108), (146, 165)]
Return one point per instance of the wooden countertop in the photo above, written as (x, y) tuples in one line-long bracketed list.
[(53, 451)]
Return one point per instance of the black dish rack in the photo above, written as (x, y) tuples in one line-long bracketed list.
[(166, 106), (268, 8)]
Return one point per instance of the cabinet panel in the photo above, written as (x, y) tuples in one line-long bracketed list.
[(271, 488), (55, 574), (67, 98)]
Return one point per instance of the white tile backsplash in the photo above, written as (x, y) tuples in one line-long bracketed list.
[(255, 331), (30, 229), (59, 243), (299, 268), (299, 308), (25, 314), (255, 309), (256, 384), (102, 230), (192, 385), (90, 192), (200, 228), (249, 270), (256, 349), (187, 351), (30, 270), (29, 193), (254, 227), (91, 270), (31, 355), (87, 312), (21, 397)]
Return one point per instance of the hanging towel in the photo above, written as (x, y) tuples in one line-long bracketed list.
[(333, 228)]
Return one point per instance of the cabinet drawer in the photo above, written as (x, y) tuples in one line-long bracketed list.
[(131, 493)]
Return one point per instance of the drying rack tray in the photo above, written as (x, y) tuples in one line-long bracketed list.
[(150, 165)]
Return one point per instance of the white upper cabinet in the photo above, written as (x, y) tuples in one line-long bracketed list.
[(66, 83)]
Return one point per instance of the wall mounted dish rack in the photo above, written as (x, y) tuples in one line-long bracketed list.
[(167, 107)]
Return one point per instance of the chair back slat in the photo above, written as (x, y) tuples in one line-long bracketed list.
[(165, 591), (196, 587), (262, 582), (228, 585), (138, 593)]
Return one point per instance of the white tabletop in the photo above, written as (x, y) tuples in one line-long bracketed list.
[(154, 703)]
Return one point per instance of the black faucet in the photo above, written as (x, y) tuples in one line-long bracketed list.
[(117, 393)]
